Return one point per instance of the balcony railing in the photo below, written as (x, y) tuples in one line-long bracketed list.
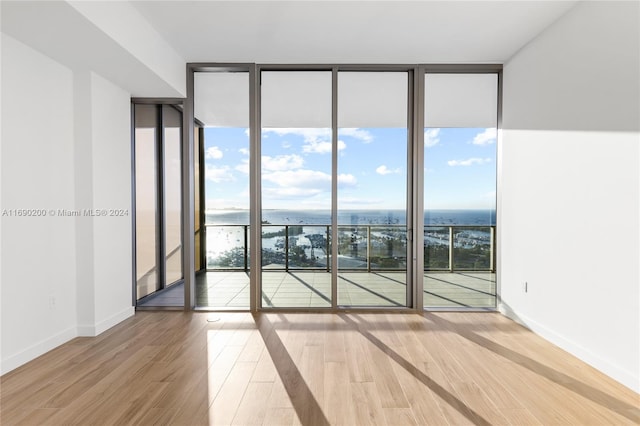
[(459, 248), (360, 247)]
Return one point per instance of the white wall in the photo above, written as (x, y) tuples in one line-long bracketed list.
[(570, 187), (66, 145), (123, 23), (111, 165), (103, 184), (38, 263), (68, 73), (107, 37)]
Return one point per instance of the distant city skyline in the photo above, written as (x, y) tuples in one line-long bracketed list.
[(459, 168)]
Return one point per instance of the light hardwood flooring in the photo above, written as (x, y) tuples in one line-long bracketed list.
[(176, 368)]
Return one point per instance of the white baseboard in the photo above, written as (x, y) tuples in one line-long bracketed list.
[(104, 325), (32, 352), (623, 376)]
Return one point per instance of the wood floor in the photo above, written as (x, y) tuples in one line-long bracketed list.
[(176, 368)]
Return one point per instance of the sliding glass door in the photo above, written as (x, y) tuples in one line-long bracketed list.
[(334, 161), (336, 187), (158, 205), (460, 190), (296, 174), (372, 189), (221, 108), (172, 188), (146, 200)]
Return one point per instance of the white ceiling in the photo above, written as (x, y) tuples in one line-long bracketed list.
[(373, 32)]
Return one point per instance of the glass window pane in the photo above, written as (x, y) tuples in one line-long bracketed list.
[(222, 105), (460, 100), (459, 190), (296, 188), (372, 188), (372, 99), (172, 194), (146, 201), (196, 198), (221, 99), (299, 99)]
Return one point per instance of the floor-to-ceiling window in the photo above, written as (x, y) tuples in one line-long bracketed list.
[(146, 202), (158, 204), (328, 171), (296, 176), (172, 188), (221, 105), (372, 215), (460, 190)]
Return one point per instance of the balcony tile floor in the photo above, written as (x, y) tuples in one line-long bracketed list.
[(312, 289)]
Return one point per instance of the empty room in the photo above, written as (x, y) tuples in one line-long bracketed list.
[(320, 212)]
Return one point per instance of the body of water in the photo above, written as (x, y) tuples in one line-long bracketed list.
[(352, 217)]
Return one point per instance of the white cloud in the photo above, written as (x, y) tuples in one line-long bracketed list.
[(469, 161), (244, 151), (243, 167), (486, 137), (356, 133), (281, 162), (213, 153), (431, 137), (316, 141), (218, 174), (384, 170), (297, 178), (302, 183), (321, 147), (346, 179)]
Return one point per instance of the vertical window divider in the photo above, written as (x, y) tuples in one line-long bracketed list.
[(188, 169), (411, 218), (133, 210), (333, 261), (203, 216), (160, 204), (418, 189), (497, 257), (255, 190)]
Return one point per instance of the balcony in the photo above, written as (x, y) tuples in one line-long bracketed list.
[(459, 266)]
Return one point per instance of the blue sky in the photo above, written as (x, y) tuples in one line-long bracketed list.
[(296, 168)]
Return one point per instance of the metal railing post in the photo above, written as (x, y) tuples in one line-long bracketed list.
[(492, 239), (246, 247), (451, 249), (286, 248), (327, 249), (368, 248)]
